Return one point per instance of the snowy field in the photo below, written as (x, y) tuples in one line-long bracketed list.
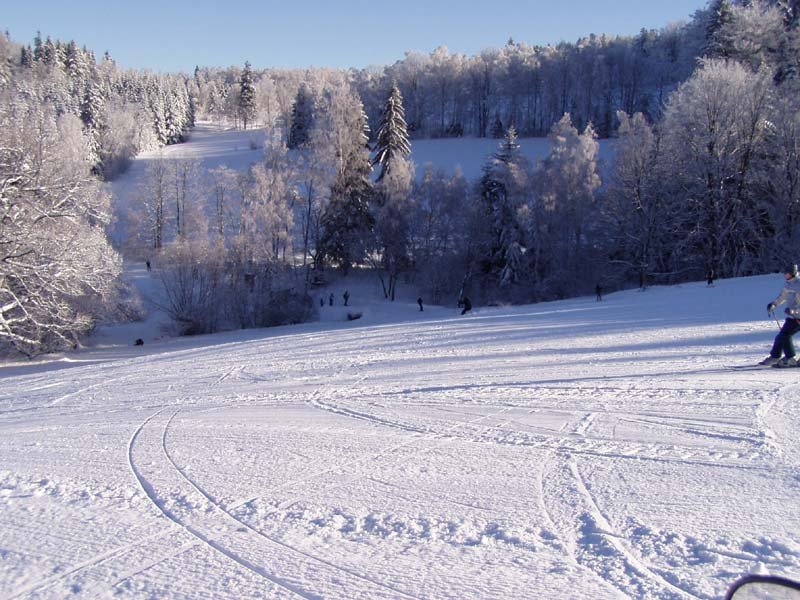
[(573, 449), (470, 154)]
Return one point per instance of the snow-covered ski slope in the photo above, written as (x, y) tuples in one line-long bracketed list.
[(574, 449)]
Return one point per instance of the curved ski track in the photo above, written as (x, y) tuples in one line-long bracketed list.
[(284, 566)]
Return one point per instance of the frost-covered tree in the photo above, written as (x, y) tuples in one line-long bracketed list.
[(754, 35), (267, 108), (247, 96), (187, 194), (392, 145), (271, 209), (222, 181), (150, 211), (782, 182), (58, 270), (440, 244), (715, 128), (568, 181), (635, 209), (393, 211), (317, 166)]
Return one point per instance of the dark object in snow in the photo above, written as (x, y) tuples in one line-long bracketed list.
[(464, 301), (330, 299), (353, 316), (346, 297), (419, 301), (138, 342), (599, 291)]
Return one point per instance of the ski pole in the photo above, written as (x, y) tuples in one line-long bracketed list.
[(777, 322)]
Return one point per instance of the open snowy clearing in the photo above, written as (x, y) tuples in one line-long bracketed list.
[(574, 449)]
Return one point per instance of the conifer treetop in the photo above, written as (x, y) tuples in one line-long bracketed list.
[(392, 143)]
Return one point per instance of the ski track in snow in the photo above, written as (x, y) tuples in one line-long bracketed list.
[(207, 533), (282, 546)]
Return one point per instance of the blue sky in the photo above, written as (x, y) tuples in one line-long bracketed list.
[(177, 35)]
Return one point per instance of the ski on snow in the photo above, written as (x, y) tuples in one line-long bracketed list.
[(756, 367)]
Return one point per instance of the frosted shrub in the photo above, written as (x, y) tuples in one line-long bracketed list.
[(191, 279)]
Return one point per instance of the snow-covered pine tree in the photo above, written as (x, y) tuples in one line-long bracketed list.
[(92, 115), (718, 43), (247, 96), (158, 111), (302, 118), (392, 142), (7, 52), (498, 131), (38, 49), (49, 53), (392, 204), (25, 57), (502, 189), (789, 51)]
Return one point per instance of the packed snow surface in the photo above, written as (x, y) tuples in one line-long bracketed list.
[(573, 449)]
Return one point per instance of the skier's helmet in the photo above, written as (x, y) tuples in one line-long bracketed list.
[(791, 269)]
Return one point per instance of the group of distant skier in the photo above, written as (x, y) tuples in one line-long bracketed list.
[(782, 355), (463, 302)]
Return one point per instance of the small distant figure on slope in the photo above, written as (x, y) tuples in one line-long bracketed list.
[(790, 294), (330, 299), (464, 301), (346, 297), (599, 291), (419, 301), (148, 265), (321, 301), (710, 277)]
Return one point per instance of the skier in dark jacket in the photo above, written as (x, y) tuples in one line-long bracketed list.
[(790, 294), (464, 301)]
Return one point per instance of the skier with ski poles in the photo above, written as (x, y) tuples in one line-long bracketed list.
[(790, 294)]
